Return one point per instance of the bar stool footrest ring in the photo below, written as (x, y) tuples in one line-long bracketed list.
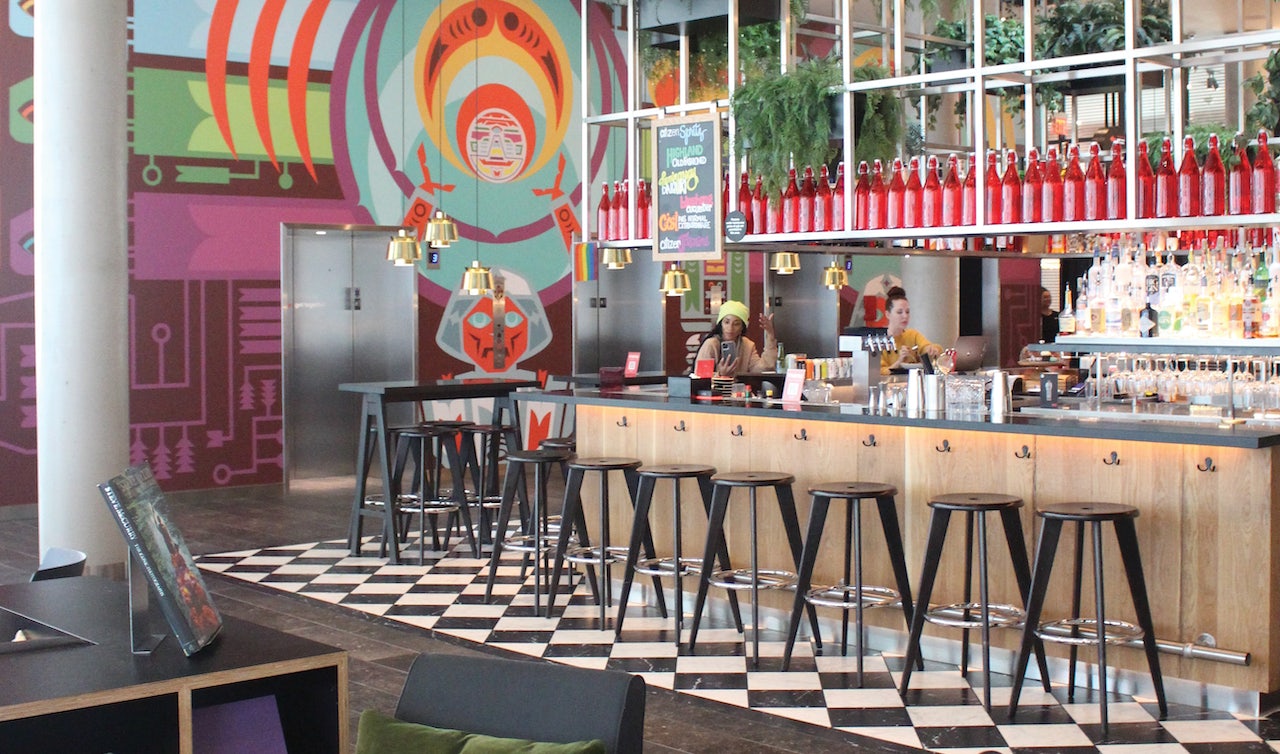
[(525, 543), (666, 567), (741, 578), (1115, 631), (1002, 616), (591, 555), (843, 596)]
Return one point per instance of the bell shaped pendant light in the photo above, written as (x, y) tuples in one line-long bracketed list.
[(785, 262), (675, 281), (615, 259), (477, 280), (441, 230), (834, 276), (403, 250)]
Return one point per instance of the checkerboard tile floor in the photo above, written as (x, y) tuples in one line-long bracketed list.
[(942, 710)]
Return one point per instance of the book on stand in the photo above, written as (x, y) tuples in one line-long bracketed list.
[(139, 508)]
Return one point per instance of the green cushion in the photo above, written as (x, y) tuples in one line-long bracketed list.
[(380, 734)]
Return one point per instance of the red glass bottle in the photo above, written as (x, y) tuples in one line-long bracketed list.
[(1117, 183), (1263, 184), (1239, 190), (896, 194), (861, 191), (992, 190), (1213, 182), (952, 201), (1095, 186), (744, 200), (642, 210), (1011, 190), (1189, 180), (969, 194), (822, 202), (877, 199), (773, 213), (1166, 182), (838, 219), (623, 227), (913, 200), (791, 204), (603, 211), (759, 207), (1051, 195), (931, 198), (808, 193), (1146, 188), (1032, 188), (1073, 187)]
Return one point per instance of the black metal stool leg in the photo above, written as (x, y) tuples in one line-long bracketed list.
[(1127, 537), (1050, 530), (897, 558), (722, 554), (791, 523), (715, 543), (932, 557), (504, 520), (804, 574), (1076, 584), (1012, 523), (640, 519)]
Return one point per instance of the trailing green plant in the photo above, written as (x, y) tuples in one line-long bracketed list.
[(1003, 42), (781, 116), (1265, 85), (1073, 27), (880, 117)]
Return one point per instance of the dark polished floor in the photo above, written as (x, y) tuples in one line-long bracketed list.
[(380, 652)]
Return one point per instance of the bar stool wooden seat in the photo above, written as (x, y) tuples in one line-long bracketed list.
[(677, 566), (1067, 631), (754, 578), (532, 539), (603, 554), (975, 506), (851, 593)]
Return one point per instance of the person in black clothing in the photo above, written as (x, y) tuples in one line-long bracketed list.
[(1048, 317)]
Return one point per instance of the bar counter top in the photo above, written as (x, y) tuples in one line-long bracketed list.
[(1208, 433)]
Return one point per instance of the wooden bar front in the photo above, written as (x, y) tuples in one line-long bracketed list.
[(1209, 545)]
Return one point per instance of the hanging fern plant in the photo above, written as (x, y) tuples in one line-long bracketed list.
[(786, 116)]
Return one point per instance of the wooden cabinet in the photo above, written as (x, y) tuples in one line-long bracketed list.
[(100, 697)]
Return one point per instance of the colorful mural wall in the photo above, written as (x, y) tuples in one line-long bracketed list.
[(246, 115)]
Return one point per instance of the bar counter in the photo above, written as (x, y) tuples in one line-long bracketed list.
[(1207, 495)]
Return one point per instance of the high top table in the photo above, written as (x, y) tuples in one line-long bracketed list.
[(373, 421)]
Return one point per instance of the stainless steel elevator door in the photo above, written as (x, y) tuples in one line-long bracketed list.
[(349, 315)]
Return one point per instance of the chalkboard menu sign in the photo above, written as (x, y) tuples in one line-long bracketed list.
[(686, 194)]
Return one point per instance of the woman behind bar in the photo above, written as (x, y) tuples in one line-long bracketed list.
[(743, 358), (911, 343)]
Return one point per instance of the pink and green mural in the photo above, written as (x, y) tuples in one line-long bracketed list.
[(249, 114)]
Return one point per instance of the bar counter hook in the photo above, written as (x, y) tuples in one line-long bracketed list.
[(945, 447), (803, 435), (621, 422), (679, 427), (1114, 460), (870, 442), (737, 432), (1208, 465), (1024, 453)]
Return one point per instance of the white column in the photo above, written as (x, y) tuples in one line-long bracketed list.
[(81, 270), (933, 288)]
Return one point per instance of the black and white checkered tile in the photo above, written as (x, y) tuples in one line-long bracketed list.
[(942, 711)]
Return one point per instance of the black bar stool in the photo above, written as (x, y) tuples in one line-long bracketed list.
[(850, 594), (532, 540), (677, 566), (481, 453), (975, 506), (755, 577), (425, 500), (572, 518), (1102, 631)]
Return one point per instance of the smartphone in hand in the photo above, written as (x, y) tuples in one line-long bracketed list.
[(728, 350)]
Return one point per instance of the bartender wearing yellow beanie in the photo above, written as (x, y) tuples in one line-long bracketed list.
[(740, 356)]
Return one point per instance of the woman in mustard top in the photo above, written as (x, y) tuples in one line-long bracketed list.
[(911, 343)]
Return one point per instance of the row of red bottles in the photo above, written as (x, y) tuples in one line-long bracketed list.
[(1049, 190), (612, 214)]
